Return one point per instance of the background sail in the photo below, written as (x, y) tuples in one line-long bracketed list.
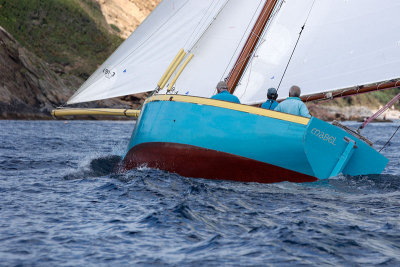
[(138, 64), (217, 50), (344, 43)]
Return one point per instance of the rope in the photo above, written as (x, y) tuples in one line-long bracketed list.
[(297, 42), (384, 146), (243, 36), (202, 22), (258, 45)]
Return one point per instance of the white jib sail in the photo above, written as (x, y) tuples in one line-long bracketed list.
[(345, 43), (218, 49), (138, 64)]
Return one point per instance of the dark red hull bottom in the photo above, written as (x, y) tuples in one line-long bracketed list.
[(192, 161)]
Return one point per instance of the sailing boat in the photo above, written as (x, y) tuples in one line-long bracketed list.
[(329, 48)]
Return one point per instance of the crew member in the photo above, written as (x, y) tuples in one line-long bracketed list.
[(271, 103), (293, 104), (223, 93)]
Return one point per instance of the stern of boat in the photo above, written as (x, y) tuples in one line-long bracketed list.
[(331, 150)]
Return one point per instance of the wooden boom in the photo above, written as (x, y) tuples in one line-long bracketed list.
[(352, 91), (95, 111)]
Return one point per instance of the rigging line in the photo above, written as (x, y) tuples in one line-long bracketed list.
[(277, 8), (258, 37), (241, 39), (202, 21), (248, 79), (384, 146), (294, 49), (208, 27), (260, 42)]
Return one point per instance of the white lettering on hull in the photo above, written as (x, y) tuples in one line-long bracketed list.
[(324, 136)]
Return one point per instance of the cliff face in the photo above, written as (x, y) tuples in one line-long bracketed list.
[(28, 87), (59, 45), (125, 15)]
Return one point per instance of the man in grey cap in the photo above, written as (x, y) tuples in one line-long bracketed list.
[(223, 93), (293, 104), (271, 103)]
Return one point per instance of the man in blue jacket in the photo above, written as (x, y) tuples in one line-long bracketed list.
[(223, 93), (293, 104), (271, 103)]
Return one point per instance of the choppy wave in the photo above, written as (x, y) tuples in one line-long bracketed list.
[(62, 203)]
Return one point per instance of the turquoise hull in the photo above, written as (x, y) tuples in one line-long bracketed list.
[(306, 150)]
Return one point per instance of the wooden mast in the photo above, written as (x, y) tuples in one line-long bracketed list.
[(250, 45)]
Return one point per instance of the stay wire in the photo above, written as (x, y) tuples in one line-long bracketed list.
[(242, 38), (384, 146), (258, 45), (294, 49)]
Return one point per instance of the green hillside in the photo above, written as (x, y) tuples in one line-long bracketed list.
[(71, 35)]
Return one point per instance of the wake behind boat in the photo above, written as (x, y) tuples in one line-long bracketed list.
[(188, 46)]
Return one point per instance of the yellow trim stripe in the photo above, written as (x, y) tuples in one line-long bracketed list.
[(232, 106)]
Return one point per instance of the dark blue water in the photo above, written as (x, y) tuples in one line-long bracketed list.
[(60, 204)]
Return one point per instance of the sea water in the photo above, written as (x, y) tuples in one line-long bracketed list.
[(62, 204)]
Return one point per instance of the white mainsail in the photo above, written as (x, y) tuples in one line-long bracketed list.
[(137, 65), (217, 50), (344, 43)]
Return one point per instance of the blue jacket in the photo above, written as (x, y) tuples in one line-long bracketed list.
[(270, 104), (226, 96), (293, 105)]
